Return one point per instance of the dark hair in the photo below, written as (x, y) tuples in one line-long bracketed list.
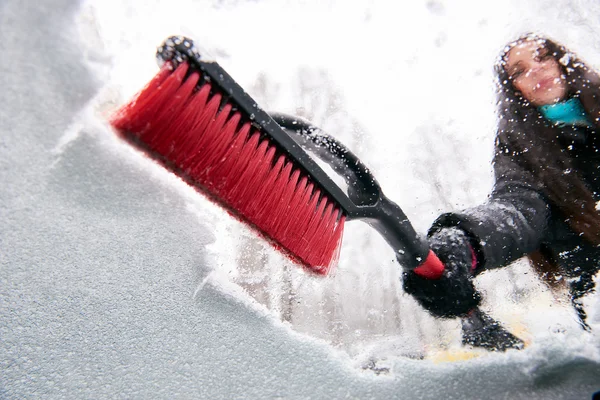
[(533, 143)]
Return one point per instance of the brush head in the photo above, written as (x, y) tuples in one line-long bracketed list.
[(191, 118)]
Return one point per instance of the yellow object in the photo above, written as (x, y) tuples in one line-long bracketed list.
[(455, 355)]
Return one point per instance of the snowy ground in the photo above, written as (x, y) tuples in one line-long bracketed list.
[(117, 280)]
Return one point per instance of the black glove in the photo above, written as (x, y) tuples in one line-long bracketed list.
[(452, 295)]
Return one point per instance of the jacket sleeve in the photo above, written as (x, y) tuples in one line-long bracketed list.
[(511, 224)]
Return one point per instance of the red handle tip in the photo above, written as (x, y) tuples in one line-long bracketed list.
[(431, 268)]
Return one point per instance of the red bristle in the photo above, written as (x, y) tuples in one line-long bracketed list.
[(169, 115), (238, 154), (306, 198), (300, 197), (201, 135), (243, 190), (236, 159), (185, 144), (142, 116), (121, 119), (335, 242), (334, 222), (244, 152), (267, 215), (254, 175), (310, 201), (222, 157), (321, 221), (261, 195), (206, 164), (290, 189), (271, 216), (185, 138), (318, 205), (211, 147)]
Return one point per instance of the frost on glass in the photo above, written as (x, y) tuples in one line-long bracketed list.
[(120, 280), (410, 91)]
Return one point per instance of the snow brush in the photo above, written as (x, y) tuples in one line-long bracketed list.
[(195, 120)]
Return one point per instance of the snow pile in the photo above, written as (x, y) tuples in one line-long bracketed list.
[(118, 280)]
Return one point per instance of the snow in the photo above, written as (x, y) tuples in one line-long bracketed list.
[(119, 281)]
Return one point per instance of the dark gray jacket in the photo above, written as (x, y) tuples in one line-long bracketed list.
[(518, 219)]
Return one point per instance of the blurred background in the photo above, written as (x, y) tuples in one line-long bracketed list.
[(408, 86)]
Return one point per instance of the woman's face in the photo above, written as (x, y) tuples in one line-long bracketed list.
[(535, 73)]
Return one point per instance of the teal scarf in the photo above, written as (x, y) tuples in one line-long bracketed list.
[(568, 112)]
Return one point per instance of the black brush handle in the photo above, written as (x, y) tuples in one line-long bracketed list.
[(363, 189), (372, 206)]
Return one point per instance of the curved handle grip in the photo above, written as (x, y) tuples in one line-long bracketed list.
[(363, 190)]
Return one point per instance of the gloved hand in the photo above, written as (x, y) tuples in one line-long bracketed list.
[(453, 294)]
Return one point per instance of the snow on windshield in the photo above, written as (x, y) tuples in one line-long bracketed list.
[(408, 87)]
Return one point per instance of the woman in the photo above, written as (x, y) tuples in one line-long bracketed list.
[(543, 205)]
